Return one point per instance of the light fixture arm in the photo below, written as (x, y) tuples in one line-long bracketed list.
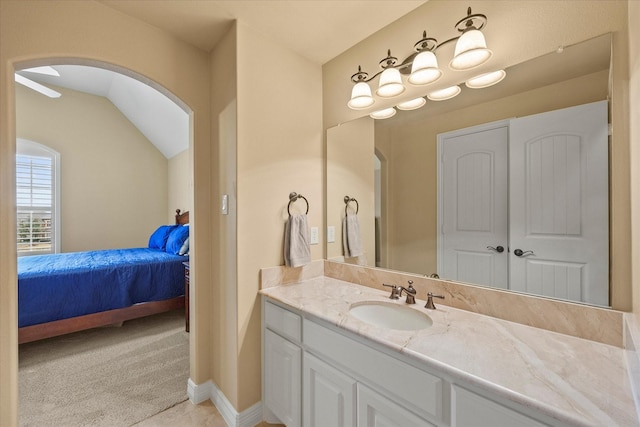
[(473, 21)]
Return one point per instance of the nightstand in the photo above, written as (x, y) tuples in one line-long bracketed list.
[(186, 295)]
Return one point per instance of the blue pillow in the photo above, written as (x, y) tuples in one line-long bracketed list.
[(176, 239), (158, 239)]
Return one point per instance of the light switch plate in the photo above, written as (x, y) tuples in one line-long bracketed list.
[(331, 234), (314, 235), (225, 204)]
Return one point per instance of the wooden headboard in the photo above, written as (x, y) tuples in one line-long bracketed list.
[(182, 218)]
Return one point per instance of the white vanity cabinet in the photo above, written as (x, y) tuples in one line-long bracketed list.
[(318, 375), (282, 364)]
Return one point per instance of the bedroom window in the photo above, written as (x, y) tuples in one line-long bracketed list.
[(37, 198)]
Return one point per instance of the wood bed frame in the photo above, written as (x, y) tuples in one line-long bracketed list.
[(104, 318)]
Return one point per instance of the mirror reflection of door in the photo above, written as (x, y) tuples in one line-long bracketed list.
[(557, 197), (559, 194), (473, 193)]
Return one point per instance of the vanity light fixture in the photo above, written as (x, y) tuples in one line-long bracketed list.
[(486, 80), (390, 80), (361, 97), (422, 65), (444, 94), (412, 104), (471, 47), (383, 114)]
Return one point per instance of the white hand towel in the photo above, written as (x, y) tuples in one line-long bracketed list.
[(296, 241), (351, 240)]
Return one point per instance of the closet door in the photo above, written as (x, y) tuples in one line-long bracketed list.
[(559, 204), (473, 207)]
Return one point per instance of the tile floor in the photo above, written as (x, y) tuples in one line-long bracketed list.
[(186, 414)]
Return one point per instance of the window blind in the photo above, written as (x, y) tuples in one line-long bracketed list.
[(34, 199)]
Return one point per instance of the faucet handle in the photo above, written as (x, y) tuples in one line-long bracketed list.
[(430, 305), (395, 291)]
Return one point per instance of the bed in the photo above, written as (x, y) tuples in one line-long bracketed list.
[(69, 292)]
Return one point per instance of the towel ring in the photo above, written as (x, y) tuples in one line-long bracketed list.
[(293, 196), (348, 199)]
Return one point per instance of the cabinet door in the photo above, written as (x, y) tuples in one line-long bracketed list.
[(329, 395), (283, 378), (375, 410)]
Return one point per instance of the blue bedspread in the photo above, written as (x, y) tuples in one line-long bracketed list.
[(59, 286)]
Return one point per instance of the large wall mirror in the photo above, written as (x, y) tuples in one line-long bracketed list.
[(391, 166)]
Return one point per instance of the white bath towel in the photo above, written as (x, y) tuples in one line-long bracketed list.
[(296, 241), (351, 240)]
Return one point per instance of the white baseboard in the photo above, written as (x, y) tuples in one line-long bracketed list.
[(198, 393), (632, 352)]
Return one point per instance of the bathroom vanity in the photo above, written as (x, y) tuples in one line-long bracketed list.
[(323, 366)]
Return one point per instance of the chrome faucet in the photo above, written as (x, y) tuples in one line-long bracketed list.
[(430, 305), (396, 291)]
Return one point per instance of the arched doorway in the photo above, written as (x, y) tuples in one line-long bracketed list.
[(119, 95)]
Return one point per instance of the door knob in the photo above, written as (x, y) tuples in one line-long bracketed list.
[(520, 252), (499, 249)]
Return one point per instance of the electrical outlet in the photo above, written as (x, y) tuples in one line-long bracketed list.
[(314, 236), (331, 234)]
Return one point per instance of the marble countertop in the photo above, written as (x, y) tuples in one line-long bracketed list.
[(574, 380)]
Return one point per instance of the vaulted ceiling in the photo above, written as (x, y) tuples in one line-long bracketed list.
[(318, 30)]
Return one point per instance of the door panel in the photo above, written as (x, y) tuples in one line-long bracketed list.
[(559, 204), (473, 203)]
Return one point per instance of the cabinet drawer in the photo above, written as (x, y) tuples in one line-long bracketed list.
[(471, 409), (282, 321), (405, 384)]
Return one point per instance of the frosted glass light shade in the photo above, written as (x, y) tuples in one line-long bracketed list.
[(444, 94), (471, 51), (383, 114), (412, 104), (360, 97), (390, 83), (486, 80), (424, 69)]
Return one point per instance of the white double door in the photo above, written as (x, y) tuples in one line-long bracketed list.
[(524, 204)]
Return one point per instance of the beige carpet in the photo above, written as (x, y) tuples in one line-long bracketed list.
[(111, 377)]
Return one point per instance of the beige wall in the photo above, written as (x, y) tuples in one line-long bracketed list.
[(180, 184), (224, 134), (516, 31), (31, 33), (279, 151), (634, 121), (409, 142), (113, 190), (349, 155)]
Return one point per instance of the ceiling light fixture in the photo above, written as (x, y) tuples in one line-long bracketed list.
[(422, 65), (486, 80)]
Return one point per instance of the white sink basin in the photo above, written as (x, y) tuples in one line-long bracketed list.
[(389, 315)]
